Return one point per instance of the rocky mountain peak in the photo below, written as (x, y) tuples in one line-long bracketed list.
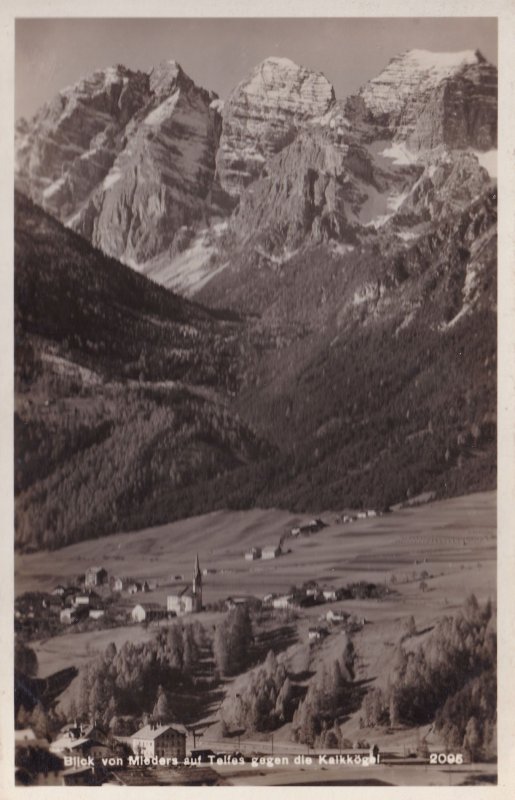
[(426, 99), (264, 113)]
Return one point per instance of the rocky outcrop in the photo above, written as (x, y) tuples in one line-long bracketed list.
[(310, 190), (126, 159), (428, 99), (264, 113)]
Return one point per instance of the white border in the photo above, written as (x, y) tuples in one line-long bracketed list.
[(505, 11)]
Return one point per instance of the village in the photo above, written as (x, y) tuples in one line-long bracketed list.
[(313, 584), (99, 599)]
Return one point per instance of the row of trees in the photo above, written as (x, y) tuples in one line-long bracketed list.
[(449, 680), (232, 641), (141, 678), (266, 701), (329, 696)]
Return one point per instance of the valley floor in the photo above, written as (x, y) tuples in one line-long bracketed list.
[(450, 546)]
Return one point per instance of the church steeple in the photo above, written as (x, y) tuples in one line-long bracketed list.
[(197, 585)]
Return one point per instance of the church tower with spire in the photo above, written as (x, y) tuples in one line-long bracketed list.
[(197, 587)]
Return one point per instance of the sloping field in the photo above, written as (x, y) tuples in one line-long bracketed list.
[(446, 538)]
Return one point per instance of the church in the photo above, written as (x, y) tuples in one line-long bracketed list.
[(188, 600)]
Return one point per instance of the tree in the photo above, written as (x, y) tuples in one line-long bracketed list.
[(25, 659), (472, 739), (163, 709)]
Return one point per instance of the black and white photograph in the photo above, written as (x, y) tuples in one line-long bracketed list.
[(255, 288)]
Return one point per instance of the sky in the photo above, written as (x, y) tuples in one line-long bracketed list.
[(217, 54)]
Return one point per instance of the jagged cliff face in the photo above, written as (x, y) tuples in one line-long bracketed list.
[(429, 99), (150, 167), (264, 113), (126, 159)]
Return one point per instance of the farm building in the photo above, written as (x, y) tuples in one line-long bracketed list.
[(271, 551), (95, 576), (253, 554), (330, 594), (70, 615), (120, 584), (159, 740), (146, 612), (284, 601), (336, 616), (135, 587), (314, 634)]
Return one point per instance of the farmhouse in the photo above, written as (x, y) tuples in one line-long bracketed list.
[(70, 615), (253, 554), (159, 740), (146, 612), (120, 584), (271, 551), (95, 576), (330, 594), (336, 616), (314, 634), (284, 601), (188, 600), (134, 587)]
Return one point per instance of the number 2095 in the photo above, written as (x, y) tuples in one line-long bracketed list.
[(446, 758)]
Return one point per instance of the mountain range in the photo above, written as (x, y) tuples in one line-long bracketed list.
[(319, 330)]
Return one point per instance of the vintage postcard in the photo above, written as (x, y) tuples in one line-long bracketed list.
[(262, 399)]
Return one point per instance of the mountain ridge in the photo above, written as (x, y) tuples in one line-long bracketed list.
[(345, 275)]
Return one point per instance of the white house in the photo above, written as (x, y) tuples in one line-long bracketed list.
[(159, 740), (336, 616), (315, 634), (95, 576), (146, 612), (285, 601), (270, 551), (253, 554)]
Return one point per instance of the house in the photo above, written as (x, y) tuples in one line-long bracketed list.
[(95, 576), (284, 601), (336, 616), (134, 587), (120, 584), (146, 612), (159, 740), (82, 746), (271, 551), (188, 600), (68, 616), (348, 518), (314, 634), (295, 531), (371, 513), (329, 595), (96, 613), (253, 554), (59, 590), (208, 571), (361, 515)]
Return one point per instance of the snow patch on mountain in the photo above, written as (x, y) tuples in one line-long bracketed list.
[(413, 72), (163, 111), (191, 269)]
